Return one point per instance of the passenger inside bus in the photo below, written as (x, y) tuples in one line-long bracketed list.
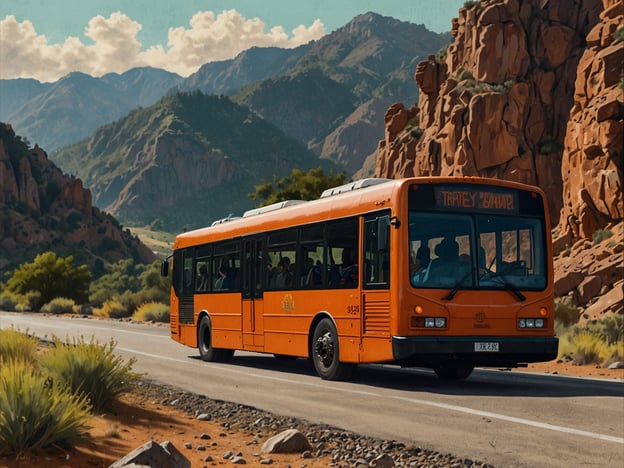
[(223, 281), (283, 278), (312, 273), (443, 268), (348, 271), (202, 279), (419, 263)]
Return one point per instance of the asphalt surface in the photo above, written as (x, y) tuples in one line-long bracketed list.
[(501, 417)]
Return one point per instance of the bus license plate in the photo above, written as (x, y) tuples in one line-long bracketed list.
[(486, 347)]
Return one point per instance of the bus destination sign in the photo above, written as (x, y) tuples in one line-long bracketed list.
[(477, 198)]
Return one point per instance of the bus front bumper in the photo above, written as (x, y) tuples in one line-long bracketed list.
[(477, 350)]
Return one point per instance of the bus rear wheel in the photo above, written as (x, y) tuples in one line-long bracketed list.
[(326, 353), (453, 371), (204, 343)]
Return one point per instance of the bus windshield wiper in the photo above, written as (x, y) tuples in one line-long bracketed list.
[(508, 285), (452, 292)]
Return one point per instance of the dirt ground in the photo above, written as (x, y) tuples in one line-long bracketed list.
[(135, 420)]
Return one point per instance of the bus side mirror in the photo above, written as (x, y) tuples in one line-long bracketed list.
[(382, 230), (164, 268)]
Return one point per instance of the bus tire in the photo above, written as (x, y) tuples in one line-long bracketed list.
[(204, 344), (326, 353), (453, 371)]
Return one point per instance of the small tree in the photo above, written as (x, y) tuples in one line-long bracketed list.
[(51, 277), (298, 185)]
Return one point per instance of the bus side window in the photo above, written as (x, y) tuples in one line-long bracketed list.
[(312, 256), (342, 238), (226, 267), (376, 253), (282, 256), (187, 272)]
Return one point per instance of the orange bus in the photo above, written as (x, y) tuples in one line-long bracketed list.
[(441, 272)]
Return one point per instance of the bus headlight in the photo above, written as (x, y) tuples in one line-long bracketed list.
[(440, 322), (531, 323), (427, 322)]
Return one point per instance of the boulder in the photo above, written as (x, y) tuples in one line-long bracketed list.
[(154, 455), (288, 441)]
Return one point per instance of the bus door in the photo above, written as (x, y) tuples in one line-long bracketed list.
[(375, 286), (252, 306)]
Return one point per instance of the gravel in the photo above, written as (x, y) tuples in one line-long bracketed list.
[(343, 448)]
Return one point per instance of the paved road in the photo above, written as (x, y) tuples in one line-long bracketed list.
[(504, 418)]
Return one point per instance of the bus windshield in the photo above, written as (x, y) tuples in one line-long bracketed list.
[(476, 251)]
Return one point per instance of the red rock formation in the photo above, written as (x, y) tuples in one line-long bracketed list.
[(531, 91), (498, 104), (40, 209), (592, 158)]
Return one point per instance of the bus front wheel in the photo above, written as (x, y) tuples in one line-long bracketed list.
[(326, 353), (204, 343)]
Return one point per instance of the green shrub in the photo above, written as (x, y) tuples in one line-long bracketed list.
[(566, 312), (585, 348), (442, 53), (610, 329), (90, 369), (36, 411), (17, 346), (8, 301), (60, 305), (152, 312), (49, 276), (417, 132), (618, 34), (112, 309), (601, 234)]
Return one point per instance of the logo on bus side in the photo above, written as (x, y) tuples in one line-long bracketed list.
[(288, 303), (480, 320)]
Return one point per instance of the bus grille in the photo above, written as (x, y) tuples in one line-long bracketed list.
[(186, 310), (377, 318)]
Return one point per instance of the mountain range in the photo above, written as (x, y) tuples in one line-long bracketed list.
[(184, 161), (372, 57)]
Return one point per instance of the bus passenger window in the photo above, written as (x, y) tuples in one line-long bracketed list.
[(203, 279), (348, 270), (223, 282), (376, 267)]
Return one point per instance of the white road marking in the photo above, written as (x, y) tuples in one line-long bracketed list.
[(461, 409)]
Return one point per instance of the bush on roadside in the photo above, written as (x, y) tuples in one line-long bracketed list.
[(112, 308), (609, 328), (36, 411), (60, 305), (599, 342), (585, 348), (89, 368), (17, 346), (566, 311), (49, 277), (8, 301), (152, 312)]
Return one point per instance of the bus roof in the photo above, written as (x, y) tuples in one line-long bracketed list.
[(351, 199)]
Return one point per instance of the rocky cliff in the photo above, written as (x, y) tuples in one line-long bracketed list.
[(43, 209), (496, 103), (530, 91)]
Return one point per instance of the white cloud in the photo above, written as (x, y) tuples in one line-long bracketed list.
[(114, 47)]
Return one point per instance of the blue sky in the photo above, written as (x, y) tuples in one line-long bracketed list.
[(46, 39)]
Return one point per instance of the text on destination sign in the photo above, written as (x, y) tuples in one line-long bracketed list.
[(475, 199)]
